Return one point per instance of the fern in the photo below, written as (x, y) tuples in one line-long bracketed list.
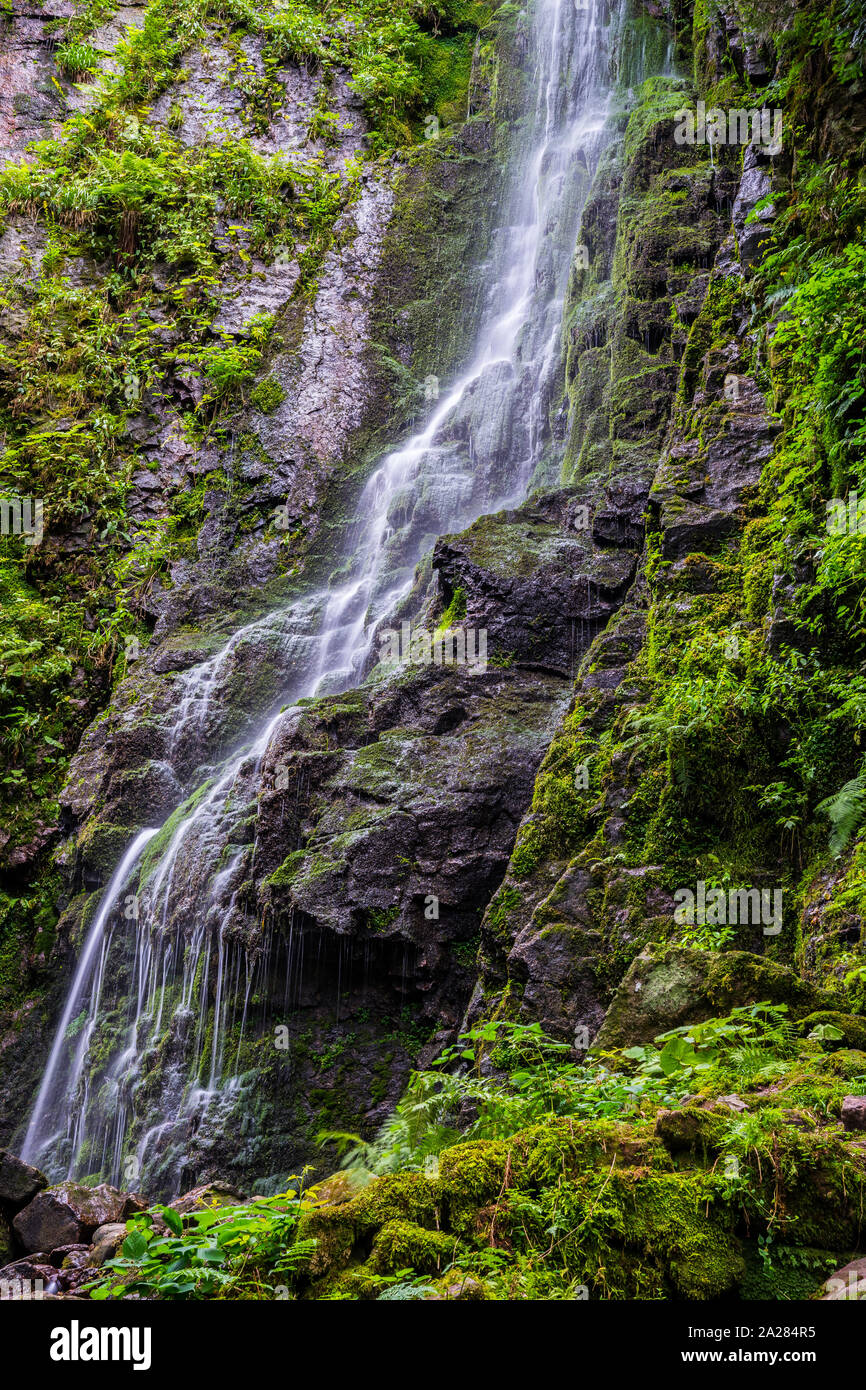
[(846, 811), (405, 1291)]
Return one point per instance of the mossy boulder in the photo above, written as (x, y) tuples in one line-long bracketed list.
[(668, 986), (471, 1176), (410, 1196), (691, 1129), (637, 1234), (574, 1146), (669, 1220), (402, 1197), (403, 1245), (853, 1029), (458, 1286)]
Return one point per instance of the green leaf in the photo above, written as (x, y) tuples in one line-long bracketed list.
[(675, 1054), (135, 1245), (172, 1219)]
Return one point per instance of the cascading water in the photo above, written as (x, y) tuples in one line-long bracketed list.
[(168, 973)]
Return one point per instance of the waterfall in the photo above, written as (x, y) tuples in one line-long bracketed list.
[(89, 972), (161, 987)]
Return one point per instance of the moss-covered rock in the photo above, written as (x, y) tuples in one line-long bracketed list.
[(851, 1028), (667, 986), (401, 1245)]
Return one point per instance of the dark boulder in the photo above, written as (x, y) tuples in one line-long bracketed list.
[(210, 1194), (19, 1183), (854, 1112), (107, 1240), (28, 1278)]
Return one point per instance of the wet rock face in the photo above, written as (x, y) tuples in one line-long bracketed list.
[(538, 580), (130, 763), (702, 508), (294, 450), (663, 393), (326, 381), (755, 184), (439, 758), (385, 816), (30, 104), (425, 803)]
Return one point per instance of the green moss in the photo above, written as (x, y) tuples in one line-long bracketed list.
[(101, 846), (267, 395), (560, 802), (333, 1229), (163, 837), (403, 1245), (288, 871), (408, 1196), (470, 1176), (455, 610)]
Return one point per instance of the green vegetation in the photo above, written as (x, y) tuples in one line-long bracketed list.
[(222, 1252), (629, 1176)]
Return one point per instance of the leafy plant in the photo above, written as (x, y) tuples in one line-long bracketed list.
[(845, 811), (703, 1047), (76, 59), (826, 1032), (528, 1076), (223, 1251)]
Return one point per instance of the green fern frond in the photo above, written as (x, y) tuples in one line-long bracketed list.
[(846, 811)]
